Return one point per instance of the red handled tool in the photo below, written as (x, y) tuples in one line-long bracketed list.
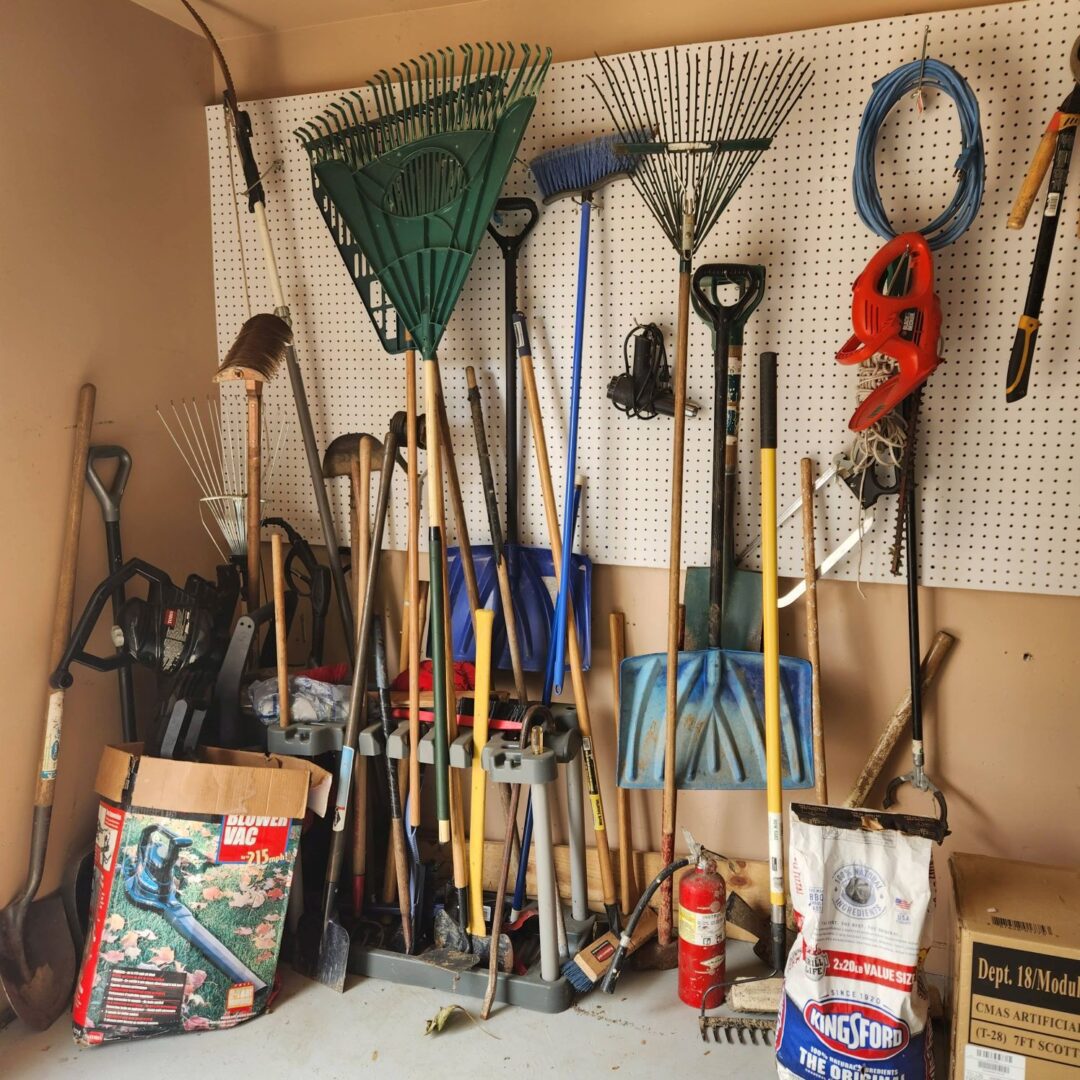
[(895, 312)]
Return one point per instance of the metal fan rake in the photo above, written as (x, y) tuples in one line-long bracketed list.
[(711, 115)]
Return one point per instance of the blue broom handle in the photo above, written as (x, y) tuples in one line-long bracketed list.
[(549, 680), (571, 448)]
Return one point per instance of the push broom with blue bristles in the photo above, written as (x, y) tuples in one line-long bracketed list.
[(577, 171)]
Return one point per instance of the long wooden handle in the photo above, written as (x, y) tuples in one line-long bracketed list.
[(457, 504), (899, 721), (1029, 189), (65, 595), (442, 678), (627, 885), (254, 491), (813, 650), (577, 674), (412, 573), (481, 705), (667, 822), (360, 473), (280, 637), (502, 571)]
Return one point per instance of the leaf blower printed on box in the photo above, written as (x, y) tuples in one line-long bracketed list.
[(188, 914), (855, 1001)]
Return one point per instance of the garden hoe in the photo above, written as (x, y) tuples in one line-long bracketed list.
[(37, 957)]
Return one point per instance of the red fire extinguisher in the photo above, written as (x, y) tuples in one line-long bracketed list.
[(702, 900)]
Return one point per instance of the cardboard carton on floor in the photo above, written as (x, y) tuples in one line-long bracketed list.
[(193, 862), (1017, 970)]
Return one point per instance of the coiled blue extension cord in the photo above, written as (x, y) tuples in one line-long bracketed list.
[(970, 165)]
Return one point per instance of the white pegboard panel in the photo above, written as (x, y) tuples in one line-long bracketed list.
[(1000, 505)]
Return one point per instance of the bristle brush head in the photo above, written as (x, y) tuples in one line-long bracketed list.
[(259, 349), (581, 168)]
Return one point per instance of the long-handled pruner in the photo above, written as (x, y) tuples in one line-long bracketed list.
[(1054, 154)]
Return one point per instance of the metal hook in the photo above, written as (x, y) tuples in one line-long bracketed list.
[(917, 93)]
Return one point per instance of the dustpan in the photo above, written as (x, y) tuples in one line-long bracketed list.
[(720, 739)]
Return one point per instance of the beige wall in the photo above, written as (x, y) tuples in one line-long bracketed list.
[(106, 276), (345, 52)]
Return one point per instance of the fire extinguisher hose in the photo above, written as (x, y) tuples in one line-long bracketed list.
[(625, 939)]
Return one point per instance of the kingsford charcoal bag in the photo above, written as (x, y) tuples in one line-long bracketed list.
[(855, 1001)]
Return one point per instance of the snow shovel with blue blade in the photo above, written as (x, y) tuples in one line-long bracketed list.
[(534, 586), (720, 739)]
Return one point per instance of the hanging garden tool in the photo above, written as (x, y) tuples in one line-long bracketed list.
[(732, 611), (502, 230), (576, 171), (712, 117), (895, 313), (217, 460), (37, 958), (902, 296), (416, 179), (917, 777), (255, 356), (1054, 154), (241, 129)]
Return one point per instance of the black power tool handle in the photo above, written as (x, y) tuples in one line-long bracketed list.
[(1019, 371), (74, 652)]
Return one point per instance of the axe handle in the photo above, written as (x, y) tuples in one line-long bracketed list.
[(899, 722)]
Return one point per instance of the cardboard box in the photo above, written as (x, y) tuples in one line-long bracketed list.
[(193, 863), (1017, 970)]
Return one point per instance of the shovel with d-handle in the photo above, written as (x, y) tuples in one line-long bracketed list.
[(333, 948), (510, 243), (723, 601), (79, 873), (37, 958)]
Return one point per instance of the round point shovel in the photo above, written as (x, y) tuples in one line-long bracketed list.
[(37, 957)]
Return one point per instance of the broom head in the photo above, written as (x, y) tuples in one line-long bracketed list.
[(258, 351), (580, 169)]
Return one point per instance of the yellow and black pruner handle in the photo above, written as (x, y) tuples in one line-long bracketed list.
[(1054, 153)]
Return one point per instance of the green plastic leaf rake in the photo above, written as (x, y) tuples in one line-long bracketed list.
[(409, 182)]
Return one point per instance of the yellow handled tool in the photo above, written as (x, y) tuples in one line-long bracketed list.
[(771, 642), (481, 700)]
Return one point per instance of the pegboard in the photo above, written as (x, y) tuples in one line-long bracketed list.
[(1000, 501)]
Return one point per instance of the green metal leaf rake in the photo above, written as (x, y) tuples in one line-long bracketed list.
[(407, 176)]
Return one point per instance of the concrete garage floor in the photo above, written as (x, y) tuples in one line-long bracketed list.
[(641, 1031)]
